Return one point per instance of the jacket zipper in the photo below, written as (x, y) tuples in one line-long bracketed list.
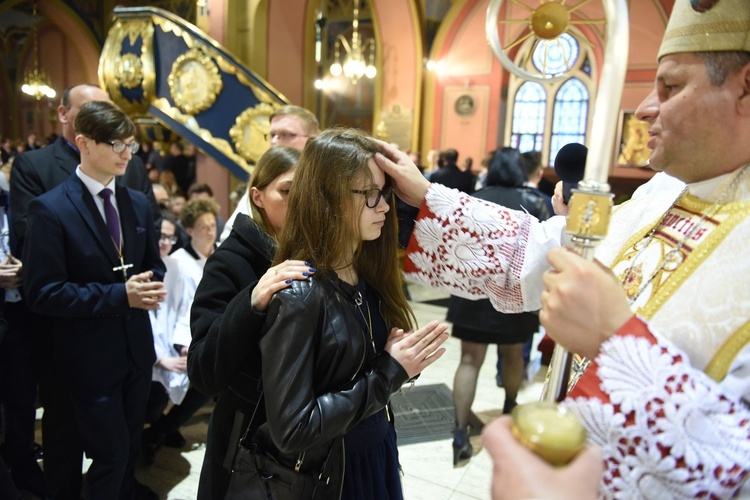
[(343, 468), (300, 459)]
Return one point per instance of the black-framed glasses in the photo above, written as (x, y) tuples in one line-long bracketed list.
[(168, 237), (119, 146), (283, 136), (373, 195)]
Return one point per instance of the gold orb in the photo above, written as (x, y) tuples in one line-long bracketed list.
[(550, 20), (553, 432)]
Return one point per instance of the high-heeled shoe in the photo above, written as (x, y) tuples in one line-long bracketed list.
[(461, 446)]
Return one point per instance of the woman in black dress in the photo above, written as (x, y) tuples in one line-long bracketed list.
[(477, 323)]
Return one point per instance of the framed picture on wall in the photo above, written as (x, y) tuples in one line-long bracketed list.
[(632, 139)]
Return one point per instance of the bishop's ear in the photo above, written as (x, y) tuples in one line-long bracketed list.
[(743, 104)]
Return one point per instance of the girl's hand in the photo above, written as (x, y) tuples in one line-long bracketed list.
[(278, 278), (417, 350)]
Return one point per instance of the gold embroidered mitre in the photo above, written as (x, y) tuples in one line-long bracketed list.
[(707, 26)]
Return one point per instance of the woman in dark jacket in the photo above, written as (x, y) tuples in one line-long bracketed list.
[(477, 323), (332, 353), (225, 319)]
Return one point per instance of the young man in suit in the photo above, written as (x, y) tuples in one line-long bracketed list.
[(35, 173), (93, 267)]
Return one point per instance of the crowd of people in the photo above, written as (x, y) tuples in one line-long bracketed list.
[(123, 293)]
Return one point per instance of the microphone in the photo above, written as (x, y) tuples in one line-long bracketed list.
[(570, 164)]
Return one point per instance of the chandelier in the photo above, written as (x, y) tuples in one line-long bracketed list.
[(359, 60), (36, 82)]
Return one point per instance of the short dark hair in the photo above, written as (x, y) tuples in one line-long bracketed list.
[(449, 155), (103, 121), (169, 217), (532, 162), (723, 63), (200, 188)]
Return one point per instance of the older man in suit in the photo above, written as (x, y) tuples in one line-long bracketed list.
[(35, 173), (92, 260)]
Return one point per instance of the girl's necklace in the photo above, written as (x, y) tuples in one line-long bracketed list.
[(368, 320)]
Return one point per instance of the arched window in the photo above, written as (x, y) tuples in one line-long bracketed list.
[(528, 117), (570, 115), (546, 117)]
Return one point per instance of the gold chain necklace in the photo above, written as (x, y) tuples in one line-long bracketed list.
[(368, 320), (673, 258)]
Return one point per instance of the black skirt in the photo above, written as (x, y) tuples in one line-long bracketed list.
[(477, 321)]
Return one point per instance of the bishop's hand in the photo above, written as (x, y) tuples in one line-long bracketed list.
[(583, 303)]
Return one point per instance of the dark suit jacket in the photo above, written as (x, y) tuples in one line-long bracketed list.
[(453, 177), (36, 172), (68, 260)]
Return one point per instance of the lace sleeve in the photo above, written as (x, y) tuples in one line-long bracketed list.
[(667, 429), (476, 249)]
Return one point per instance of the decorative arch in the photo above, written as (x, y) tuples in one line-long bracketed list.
[(568, 112)]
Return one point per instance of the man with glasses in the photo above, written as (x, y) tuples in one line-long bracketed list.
[(34, 173), (290, 126), (94, 270)]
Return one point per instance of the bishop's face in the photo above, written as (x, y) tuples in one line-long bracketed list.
[(691, 124)]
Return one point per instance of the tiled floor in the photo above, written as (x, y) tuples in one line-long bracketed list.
[(428, 469)]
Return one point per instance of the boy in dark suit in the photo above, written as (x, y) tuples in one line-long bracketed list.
[(94, 268), (35, 173)]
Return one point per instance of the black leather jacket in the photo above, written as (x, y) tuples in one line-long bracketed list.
[(317, 383)]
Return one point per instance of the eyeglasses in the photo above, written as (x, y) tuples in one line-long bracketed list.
[(168, 237), (283, 136), (119, 146), (373, 195)]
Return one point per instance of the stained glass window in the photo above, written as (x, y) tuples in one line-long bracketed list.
[(529, 113), (556, 56), (545, 117), (569, 116)]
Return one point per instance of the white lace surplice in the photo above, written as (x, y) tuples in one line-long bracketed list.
[(476, 249), (667, 429)]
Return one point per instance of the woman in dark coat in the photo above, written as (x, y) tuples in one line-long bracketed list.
[(477, 323), (225, 320)]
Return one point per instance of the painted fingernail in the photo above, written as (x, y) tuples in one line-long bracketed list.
[(312, 269), (307, 263), (305, 274), (287, 281)]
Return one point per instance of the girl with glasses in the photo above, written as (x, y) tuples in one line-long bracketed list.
[(337, 346)]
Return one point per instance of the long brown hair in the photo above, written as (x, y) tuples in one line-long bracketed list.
[(275, 162), (323, 215)]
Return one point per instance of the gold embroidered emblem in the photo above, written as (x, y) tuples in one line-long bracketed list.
[(249, 130), (128, 70), (194, 82)]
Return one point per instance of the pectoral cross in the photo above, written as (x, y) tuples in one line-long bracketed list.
[(123, 267)]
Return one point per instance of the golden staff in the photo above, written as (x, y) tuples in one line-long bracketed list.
[(591, 203)]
